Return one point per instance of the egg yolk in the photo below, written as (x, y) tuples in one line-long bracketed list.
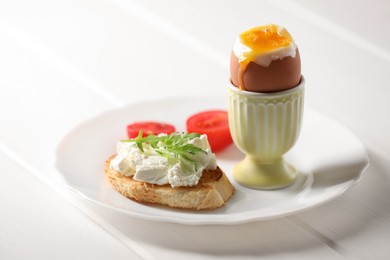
[(261, 40)]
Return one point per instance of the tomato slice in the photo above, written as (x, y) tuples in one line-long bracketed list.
[(149, 127), (213, 123)]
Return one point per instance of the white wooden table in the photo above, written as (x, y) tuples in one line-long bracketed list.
[(62, 62)]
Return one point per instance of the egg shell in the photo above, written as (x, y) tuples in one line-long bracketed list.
[(280, 75)]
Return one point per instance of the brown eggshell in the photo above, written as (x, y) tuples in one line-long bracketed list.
[(278, 76)]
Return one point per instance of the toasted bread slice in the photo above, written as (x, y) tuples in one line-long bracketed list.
[(212, 191)]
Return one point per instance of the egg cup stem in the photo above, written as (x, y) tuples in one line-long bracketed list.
[(257, 174)]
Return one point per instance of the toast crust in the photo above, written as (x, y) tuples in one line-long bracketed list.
[(213, 190)]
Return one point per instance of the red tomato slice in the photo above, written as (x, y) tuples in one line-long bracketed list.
[(148, 128), (213, 123)]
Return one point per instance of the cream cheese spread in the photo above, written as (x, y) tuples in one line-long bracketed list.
[(149, 166)]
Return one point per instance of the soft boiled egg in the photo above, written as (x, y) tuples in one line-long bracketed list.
[(265, 59)]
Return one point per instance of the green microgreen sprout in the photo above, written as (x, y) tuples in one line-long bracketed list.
[(175, 146)]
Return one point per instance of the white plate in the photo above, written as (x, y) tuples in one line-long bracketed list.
[(330, 158)]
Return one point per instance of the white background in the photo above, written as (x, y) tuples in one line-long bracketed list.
[(62, 62)]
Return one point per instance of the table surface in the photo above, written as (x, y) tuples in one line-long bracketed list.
[(63, 62)]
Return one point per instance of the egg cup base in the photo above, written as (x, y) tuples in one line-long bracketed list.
[(256, 174)]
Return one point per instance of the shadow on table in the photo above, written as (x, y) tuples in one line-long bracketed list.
[(254, 239), (356, 224)]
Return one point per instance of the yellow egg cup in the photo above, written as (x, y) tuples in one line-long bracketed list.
[(265, 126)]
